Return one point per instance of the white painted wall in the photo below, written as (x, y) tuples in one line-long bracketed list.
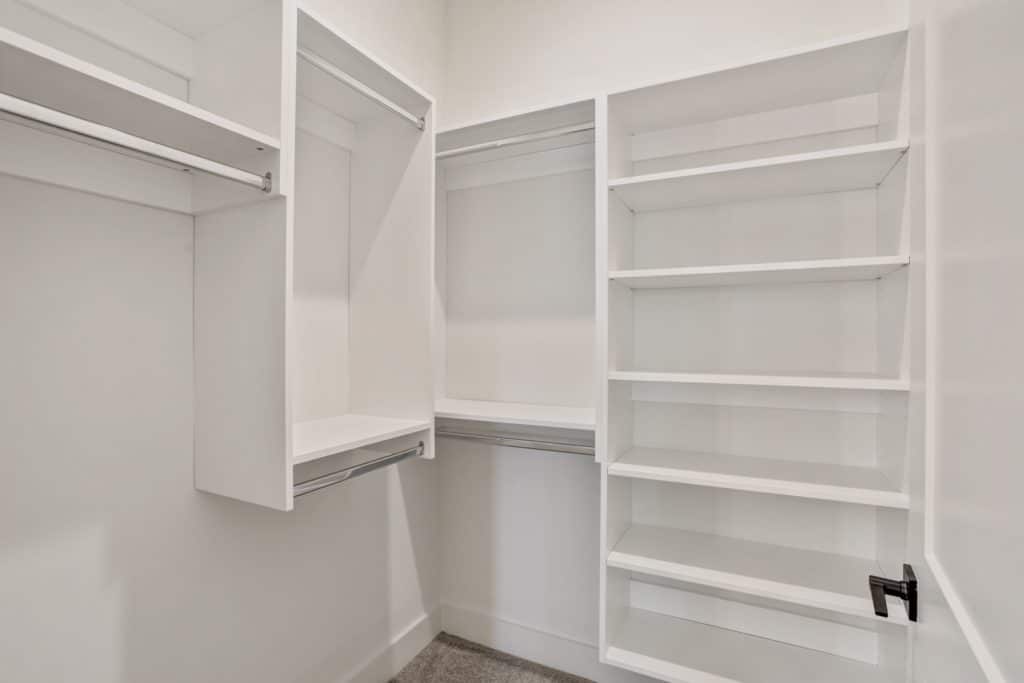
[(407, 35), (512, 56), (973, 139)]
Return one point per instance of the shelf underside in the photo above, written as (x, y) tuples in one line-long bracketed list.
[(828, 581), (851, 168), (522, 414), (40, 74), (822, 481), (850, 381), (690, 652), (321, 438), (823, 270)]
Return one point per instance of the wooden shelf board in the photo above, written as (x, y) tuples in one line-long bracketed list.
[(822, 270), (321, 438), (857, 382), (821, 481), (525, 414), (833, 170), (685, 651), (46, 76)]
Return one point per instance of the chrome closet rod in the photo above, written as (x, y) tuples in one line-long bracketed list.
[(516, 442), (118, 138), (343, 475), (515, 140), (354, 83)]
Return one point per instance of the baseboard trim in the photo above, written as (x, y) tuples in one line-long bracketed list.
[(555, 650), (385, 664)]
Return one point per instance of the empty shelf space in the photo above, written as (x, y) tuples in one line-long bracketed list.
[(822, 270), (330, 436), (838, 583), (685, 651), (524, 414), (45, 76), (849, 168), (822, 481), (859, 382)]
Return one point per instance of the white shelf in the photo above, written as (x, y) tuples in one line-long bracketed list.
[(321, 438), (51, 78), (524, 414), (849, 168), (838, 583), (852, 65), (821, 481), (684, 651), (822, 270), (857, 382)]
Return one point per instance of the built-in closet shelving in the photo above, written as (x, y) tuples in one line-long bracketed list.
[(752, 414), (514, 323), (306, 166)]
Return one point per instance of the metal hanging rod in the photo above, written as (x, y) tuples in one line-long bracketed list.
[(333, 71), (118, 138), (516, 140), (343, 475), (516, 442)]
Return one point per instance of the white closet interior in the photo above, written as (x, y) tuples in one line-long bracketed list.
[(706, 282), (305, 169), (755, 427), (514, 324)]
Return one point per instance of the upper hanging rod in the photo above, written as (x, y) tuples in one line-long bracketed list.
[(342, 475), (516, 442), (112, 136), (331, 70), (515, 140)]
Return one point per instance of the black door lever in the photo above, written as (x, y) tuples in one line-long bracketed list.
[(905, 590)]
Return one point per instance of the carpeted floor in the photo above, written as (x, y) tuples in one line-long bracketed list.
[(453, 660)]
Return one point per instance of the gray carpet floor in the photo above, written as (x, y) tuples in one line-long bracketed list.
[(453, 660)]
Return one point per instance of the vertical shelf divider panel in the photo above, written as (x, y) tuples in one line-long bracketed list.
[(752, 290)]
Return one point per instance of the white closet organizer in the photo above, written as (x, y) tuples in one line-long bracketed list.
[(752, 415), (161, 77), (514, 325), (310, 204), (341, 361)]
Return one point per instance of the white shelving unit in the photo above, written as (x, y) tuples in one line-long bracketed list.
[(317, 439), (851, 168), (332, 297), (852, 382), (752, 323), (822, 270), (160, 74), (519, 414), (514, 322), (823, 481), (649, 644)]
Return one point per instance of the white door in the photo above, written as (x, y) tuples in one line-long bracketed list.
[(969, 533)]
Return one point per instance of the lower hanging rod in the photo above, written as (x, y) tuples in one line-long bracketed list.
[(517, 442), (357, 85), (517, 140), (343, 475), (118, 138)]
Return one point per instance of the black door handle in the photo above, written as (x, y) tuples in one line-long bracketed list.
[(906, 590)]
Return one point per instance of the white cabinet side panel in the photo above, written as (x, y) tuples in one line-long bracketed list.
[(242, 445)]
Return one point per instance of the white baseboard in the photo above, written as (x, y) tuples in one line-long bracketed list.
[(388, 661), (550, 649)]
